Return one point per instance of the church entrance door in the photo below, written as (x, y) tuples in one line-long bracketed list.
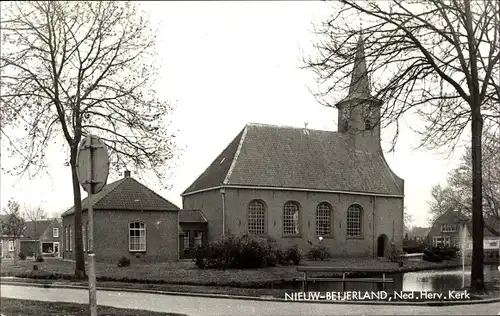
[(381, 245)]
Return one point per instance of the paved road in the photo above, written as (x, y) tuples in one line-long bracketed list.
[(216, 306)]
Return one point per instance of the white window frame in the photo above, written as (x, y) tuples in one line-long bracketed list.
[(291, 219), (354, 221), (11, 245), (198, 238), (323, 219), (139, 244), (256, 217), (66, 238), (449, 228), (55, 232), (186, 241), (437, 240), (70, 238), (84, 237)]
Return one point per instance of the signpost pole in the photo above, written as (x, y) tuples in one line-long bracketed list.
[(91, 255)]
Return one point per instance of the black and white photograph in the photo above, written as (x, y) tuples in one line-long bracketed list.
[(179, 158)]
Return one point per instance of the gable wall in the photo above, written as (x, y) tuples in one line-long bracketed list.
[(210, 203)]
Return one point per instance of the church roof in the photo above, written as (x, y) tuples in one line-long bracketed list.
[(295, 158), (127, 194)]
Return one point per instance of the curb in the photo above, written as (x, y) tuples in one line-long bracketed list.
[(251, 298)]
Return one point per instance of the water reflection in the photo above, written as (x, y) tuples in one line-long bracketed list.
[(444, 280), (432, 280)]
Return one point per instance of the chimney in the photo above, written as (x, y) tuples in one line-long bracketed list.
[(126, 174)]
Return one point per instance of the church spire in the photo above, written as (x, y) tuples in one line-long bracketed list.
[(360, 85)]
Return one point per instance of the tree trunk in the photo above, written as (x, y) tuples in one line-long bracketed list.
[(477, 273), (77, 199)]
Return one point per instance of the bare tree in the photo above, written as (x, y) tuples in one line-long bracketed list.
[(458, 191), (13, 225), (408, 218), (435, 58), (34, 214), (70, 69)]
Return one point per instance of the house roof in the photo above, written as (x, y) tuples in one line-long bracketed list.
[(41, 226), (290, 157), (420, 231), (192, 216), (127, 194)]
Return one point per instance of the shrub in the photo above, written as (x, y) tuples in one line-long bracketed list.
[(395, 254), (293, 254), (124, 262), (281, 257), (243, 252), (22, 256), (39, 258), (319, 252)]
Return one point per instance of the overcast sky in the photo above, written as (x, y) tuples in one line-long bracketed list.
[(225, 64)]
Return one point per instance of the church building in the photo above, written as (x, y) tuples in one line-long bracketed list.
[(304, 187)]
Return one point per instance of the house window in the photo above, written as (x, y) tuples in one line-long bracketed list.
[(256, 217), (354, 221), (448, 228), (186, 240), (137, 237), (447, 241), (291, 219), (66, 238), (84, 237), (70, 242), (55, 232), (11, 245), (437, 241), (198, 239), (323, 219)]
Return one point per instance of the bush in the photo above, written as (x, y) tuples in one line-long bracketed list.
[(243, 252), (22, 256), (395, 254), (124, 262), (319, 252), (293, 254), (281, 257), (39, 258)]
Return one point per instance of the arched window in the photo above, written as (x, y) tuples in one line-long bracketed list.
[(291, 219), (137, 237), (368, 124), (354, 214), (256, 217), (66, 238), (84, 237), (70, 242), (323, 219)]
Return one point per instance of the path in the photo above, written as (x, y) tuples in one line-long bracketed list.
[(217, 306)]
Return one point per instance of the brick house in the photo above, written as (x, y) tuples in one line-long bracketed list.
[(8, 243), (44, 234), (298, 184), (446, 229), (130, 220)]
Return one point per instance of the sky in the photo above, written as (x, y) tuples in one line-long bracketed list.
[(224, 64)]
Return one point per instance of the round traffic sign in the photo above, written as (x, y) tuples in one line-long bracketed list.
[(93, 164)]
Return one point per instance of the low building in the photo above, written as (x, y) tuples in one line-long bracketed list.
[(130, 220), (9, 244), (194, 233), (44, 235)]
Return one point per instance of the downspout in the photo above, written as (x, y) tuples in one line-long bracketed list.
[(223, 196)]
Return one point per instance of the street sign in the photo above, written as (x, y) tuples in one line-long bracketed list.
[(92, 171), (99, 164)]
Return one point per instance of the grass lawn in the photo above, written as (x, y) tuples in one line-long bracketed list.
[(188, 274), (37, 308)]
